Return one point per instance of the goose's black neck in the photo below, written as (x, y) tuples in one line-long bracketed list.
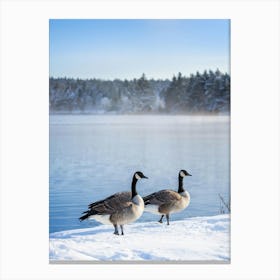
[(180, 186), (133, 187)]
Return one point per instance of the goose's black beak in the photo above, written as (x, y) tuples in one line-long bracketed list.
[(189, 174), (145, 177)]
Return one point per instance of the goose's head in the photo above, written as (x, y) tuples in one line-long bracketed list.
[(139, 175), (184, 173)]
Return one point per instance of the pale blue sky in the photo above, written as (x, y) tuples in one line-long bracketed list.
[(124, 49)]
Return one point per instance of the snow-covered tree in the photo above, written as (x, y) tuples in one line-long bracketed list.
[(200, 93)]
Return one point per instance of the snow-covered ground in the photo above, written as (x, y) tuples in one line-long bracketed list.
[(193, 239)]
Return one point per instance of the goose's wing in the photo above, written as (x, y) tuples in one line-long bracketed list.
[(111, 204), (120, 196), (161, 197)]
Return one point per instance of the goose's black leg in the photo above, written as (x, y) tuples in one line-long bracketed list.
[(160, 221), (167, 218), (122, 229), (116, 230)]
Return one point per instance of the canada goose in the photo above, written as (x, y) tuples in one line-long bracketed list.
[(165, 202), (118, 209)]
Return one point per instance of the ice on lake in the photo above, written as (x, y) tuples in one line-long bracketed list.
[(94, 156)]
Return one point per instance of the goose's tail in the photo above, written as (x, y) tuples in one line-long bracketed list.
[(84, 217), (88, 213), (147, 199)]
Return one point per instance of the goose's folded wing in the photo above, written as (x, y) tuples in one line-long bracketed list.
[(108, 209), (120, 196), (111, 204), (161, 197)]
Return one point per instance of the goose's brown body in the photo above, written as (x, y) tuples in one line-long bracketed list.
[(118, 209), (165, 202)]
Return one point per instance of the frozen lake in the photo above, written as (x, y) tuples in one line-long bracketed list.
[(94, 156)]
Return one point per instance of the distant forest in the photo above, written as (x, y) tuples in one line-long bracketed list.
[(206, 93)]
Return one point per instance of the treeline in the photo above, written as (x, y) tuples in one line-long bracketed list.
[(208, 92)]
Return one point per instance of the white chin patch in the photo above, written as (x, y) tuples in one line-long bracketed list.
[(182, 174), (137, 176)]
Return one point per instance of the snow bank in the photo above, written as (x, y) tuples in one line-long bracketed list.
[(193, 239)]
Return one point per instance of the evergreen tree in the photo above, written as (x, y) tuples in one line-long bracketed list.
[(206, 93)]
